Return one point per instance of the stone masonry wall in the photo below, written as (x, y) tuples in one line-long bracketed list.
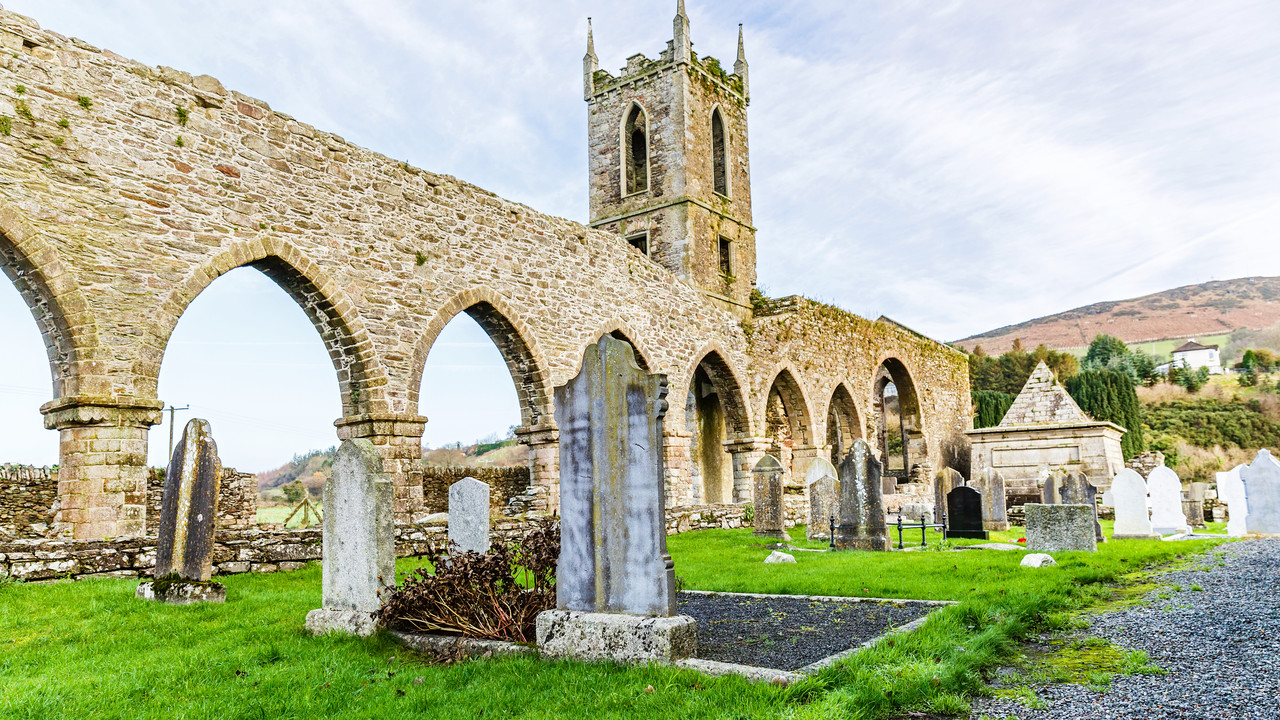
[(27, 496), (237, 499), (504, 483)]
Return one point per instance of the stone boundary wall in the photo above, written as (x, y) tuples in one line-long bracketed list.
[(27, 495), (504, 483), (237, 499)]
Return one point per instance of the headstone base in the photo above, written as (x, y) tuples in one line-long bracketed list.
[(852, 539), (181, 592), (1152, 536), (772, 534), (969, 534), (1180, 530), (348, 622), (995, 525), (597, 637)]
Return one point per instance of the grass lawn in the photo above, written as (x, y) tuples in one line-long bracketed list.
[(279, 513), (89, 650)]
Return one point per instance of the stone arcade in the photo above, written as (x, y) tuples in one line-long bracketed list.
[(109, 248)]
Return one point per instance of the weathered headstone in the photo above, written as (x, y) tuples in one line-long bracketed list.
[(964, 513), (1133, 511), (995, 515), (615, 584), (188, 518), (861, 505), (359, 541), (469, 515), (943, 483), (1077, 490), (1165, 490), (768, 521), (1231, 492), (1058, 528), (1050, 487), (824, 497), (1262, 494)]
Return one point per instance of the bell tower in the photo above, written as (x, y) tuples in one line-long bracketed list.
[(668, 163)]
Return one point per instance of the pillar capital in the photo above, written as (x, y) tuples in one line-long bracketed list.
[(540, 434), (380, 424), (101, 411)]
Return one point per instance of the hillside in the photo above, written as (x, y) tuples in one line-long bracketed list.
[(1207, 309), (317, 463)]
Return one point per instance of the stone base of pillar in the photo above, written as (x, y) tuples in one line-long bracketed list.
[(346, 622), (597, 637), (182, 592)]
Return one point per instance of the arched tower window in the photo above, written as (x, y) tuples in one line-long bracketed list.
[(719, 167), (635, 140)]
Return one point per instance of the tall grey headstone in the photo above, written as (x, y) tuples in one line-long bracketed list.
[(359, 541), (767, 477), (188, 519), (1077, 490), (1262, 494), (1060, 528), (995, 514), (1231, 492), (861, 504), (944, 482), (824, 499), (469, 515), (1133, 511), (615, 582), (1165, 491)]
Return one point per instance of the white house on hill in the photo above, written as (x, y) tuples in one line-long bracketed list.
[(1194, 356)]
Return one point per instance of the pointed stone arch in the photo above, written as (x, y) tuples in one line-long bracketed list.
[(361, 378), (713, 360), (516, 343), (716, 415), (634, 142), (844, 424), (619, 329), (915, 451), (793, 426)]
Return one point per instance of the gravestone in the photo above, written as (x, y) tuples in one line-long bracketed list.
[(964, 513), (1076, 489), (768, 522), (359, 542), (1050, 487), (615, 583), (995, 514), (1059, 528), (469, 515), (824, 495), (944, 482), (1133, 510), (1262, 494), (861, 505), (1165, 490), (188, 519), (1231, 492)]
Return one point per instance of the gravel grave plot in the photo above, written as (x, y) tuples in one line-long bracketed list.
[(787, 633), (1220, 645)]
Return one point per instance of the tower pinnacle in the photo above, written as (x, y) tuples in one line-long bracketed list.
[(590, 64), (682, 48), (740, 65)]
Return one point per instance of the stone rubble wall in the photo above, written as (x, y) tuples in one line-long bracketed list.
[(504, 484), (237, 499), (27, 496), (1144, 463)]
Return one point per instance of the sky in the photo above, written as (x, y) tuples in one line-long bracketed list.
[(957, 166)]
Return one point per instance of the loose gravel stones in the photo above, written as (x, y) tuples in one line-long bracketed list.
[(1220, 644), (787, 633)]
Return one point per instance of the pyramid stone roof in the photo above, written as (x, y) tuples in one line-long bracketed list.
[(1043, 402)]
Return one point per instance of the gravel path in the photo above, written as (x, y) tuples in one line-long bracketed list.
[(1220, 645), (786, 633)]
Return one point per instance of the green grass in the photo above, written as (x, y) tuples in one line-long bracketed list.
[(88, 649), (277, 514)]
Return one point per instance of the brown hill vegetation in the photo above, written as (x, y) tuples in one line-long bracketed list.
[(1211, 308)]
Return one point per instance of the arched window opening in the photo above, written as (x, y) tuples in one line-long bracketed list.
[(719, 165), (842, 424), (786, 420), (24, 384), (892, 431), (899, 438), (636, 145), (706, 421)]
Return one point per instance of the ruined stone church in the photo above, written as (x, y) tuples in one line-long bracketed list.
[(126, 190)]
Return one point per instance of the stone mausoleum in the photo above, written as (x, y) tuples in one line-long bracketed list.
[(1045, 430), (126, 190)]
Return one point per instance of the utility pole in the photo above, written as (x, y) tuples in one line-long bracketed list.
[(171, 410)]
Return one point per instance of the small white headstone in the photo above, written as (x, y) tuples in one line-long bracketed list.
[(1035, 560), (1133, 515), (1165, 490), (779, 557), (1231, 492), (469, 515), (1262, 494), (824, 493)]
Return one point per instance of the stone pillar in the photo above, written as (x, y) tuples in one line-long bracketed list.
[(746, 452), (543, 442), (398, 441), (677, 462), (102, 467)]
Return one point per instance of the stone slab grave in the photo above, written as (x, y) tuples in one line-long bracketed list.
[(1075, 489), (1165, 490), (767, 477), (964, 514), (861, 504), (615, 581), (995, 514), (188, 516), (824, 499), (1133, 510), (1262, 495), (1231, 492), (358, 543), (1059, 528), (469, 515)]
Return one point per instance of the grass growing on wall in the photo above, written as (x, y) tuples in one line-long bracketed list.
[(89, 649)]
